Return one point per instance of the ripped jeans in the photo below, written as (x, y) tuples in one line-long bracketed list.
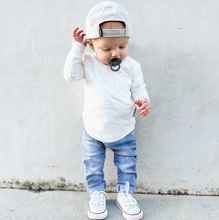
[(125, 160)]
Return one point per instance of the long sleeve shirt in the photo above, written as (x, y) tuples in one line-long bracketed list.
[(108, 96)]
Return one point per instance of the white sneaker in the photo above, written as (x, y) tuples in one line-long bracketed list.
[(97, 205), (128, 205)]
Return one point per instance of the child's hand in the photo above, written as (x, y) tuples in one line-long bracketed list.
[(144, 106), (78, 36)]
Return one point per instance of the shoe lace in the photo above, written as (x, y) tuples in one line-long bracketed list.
[(98, 198), (128, 199)]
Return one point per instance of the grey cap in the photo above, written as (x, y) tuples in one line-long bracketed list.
[(107, 11)]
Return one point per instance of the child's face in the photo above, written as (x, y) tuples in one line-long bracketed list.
[(107, 48)]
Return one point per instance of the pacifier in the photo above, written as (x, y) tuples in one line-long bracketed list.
[(115, 62)]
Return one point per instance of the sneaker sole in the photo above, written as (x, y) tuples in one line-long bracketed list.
[(102, 215), (129, 217)]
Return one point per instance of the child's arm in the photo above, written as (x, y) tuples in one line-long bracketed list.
[(74, 65), (139, 91)]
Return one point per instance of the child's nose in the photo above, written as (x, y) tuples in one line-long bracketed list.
[(115, 53)]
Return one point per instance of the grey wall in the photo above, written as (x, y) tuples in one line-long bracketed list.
[(40, 113)]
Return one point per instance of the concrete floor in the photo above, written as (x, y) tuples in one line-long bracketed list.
[(63, 205)]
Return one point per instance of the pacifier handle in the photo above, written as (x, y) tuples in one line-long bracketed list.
[(115, 62), (111, 67)]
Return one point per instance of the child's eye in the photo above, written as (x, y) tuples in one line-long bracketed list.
[(121, 47)]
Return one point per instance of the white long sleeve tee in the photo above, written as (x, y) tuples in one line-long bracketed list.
[(108, 96)]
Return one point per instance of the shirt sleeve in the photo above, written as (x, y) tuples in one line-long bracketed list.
[(138, 88), (74, 64)]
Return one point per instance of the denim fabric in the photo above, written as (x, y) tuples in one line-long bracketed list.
[(125, 160)]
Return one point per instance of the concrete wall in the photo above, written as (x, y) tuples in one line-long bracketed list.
[(40, 114)]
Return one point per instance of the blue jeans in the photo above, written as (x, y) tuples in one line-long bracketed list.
[(125, 160)]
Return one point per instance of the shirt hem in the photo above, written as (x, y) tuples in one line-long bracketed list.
[(109, 140)]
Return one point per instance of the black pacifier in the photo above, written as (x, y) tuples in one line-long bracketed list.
[(115, 62)]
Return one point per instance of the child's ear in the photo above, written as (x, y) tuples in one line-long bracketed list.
[(90, 42)]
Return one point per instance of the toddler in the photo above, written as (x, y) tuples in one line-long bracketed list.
[(113, 87)]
